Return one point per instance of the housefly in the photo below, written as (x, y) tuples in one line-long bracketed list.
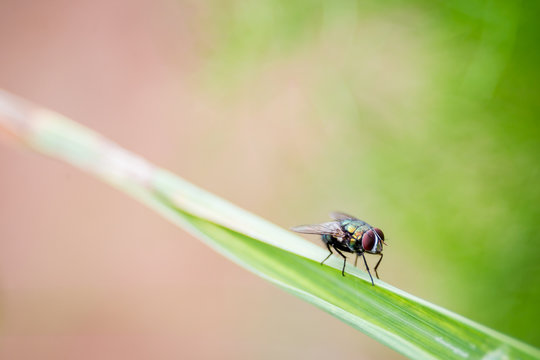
[(348, 234)]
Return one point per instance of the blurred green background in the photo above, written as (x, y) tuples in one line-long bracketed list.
[(419, 117)]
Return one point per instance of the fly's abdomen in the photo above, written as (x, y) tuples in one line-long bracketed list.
[(327, 239)]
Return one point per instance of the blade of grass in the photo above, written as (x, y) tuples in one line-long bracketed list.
[(399, 320)]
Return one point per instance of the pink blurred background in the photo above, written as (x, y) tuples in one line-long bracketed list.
[(86, 272)]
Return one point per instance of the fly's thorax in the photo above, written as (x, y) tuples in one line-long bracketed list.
[(355, 230)]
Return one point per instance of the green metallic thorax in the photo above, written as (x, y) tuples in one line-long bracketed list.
[(355, 229)]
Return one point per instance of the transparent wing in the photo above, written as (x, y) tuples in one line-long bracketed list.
[(336, 215), (339, 216), (329, 228)]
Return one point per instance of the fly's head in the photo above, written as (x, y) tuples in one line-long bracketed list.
[(373, 241)]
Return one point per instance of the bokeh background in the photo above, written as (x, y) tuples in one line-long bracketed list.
[(420, 117)]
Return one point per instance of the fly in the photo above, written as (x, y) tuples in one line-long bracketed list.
[(348, 234)]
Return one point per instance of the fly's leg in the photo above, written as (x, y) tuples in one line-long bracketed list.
[(367, 267), (376, 266), (356, 260), (344, 261), (326, 258)]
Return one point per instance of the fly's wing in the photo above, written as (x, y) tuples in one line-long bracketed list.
[(329, 228), (339, 216), (336, 215)]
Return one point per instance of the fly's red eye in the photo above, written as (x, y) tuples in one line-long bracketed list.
[(368, 240), (379, 232)]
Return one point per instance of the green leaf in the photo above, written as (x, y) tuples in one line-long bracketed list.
[(399, 320)]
